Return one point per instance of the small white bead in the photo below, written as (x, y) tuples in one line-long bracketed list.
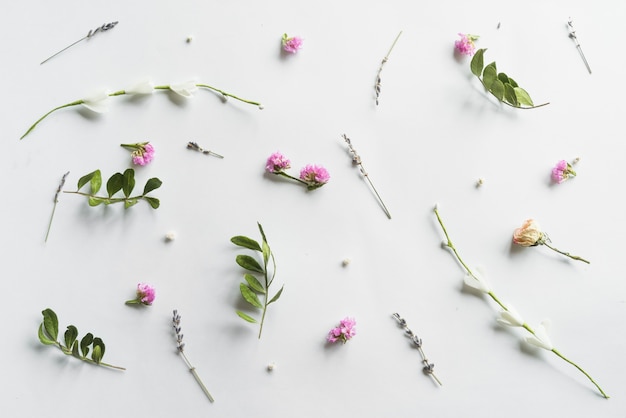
[(170, 236), (270, 367), (345, 262), (480, 182), (189, 39)]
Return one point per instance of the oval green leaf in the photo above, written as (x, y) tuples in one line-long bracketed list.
[(96, 182), (75, 352), (96, 354), (114, 184), (129, 181), (497, 89), (153, 201), (509, 95), (250, 296), (477, 62), (43, 337), (94, 201), (489, 75), (503, 77), (85, 343), (249, 263), (246, 242), (523, 97), (130, 202), (246, 317), (50, 324), (254, 283), (277, 295), (85, 179), (152, 184), (70, 336)]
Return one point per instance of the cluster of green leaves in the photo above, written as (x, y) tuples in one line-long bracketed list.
[(253, 287), (124, 182), (503, 87), (49, 332)]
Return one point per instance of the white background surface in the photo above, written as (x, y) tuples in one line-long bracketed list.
[(434, 134)]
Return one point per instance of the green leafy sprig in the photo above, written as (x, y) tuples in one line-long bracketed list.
[(500, 85), (252, 288), (476, 281), (49, 332), (117, 182)]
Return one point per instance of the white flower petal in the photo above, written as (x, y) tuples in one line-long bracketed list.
[(143, 87), (511, 318), (541, 339), (97, 102), (476, 281), (185, 89)]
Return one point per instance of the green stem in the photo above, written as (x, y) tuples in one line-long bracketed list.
[(573, 257), (68, 352), (107, 200), (76, 103), (497, 300), (282, 173), (225, 94)]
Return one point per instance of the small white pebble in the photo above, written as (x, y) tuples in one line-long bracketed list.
[(189, 39), (345, 262), (576, 160), (480, 182), (270, 367), (170, 236), (261, 107)]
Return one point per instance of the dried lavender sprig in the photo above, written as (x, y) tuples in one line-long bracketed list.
[(380, 69), (181, 349), (429, 368), (356, 159), (91, 33), (572, 34), (56, 200), (196, 147)]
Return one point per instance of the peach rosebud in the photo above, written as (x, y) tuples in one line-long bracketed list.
[(528, 235)]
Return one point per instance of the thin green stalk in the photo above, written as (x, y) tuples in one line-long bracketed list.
[(573, 257), (68, 352), (225, 94), (509, 104), (282, 173), (108, 199), (504, 307), (76, 103)]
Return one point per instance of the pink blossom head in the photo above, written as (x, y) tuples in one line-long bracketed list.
[(292, 44), (314, 175), (345, 331), (145, 293), (562, 171), (466, 45), (143, 152), (277, 162)]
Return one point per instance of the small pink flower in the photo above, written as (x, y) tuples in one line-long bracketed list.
[(145, 295), (465, 45), (293, 44), (314, 175), (562, 171), (277, 162), (345, 331), (143, 152)]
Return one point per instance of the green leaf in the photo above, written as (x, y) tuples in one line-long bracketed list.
[(262, 232), (249, 263), (254, 283), (477, 62), (489, 75), (503, 77), (94, 201), (152, 184), (250, 296), (277, 295), (50, 324), (509, 94), (246, 317), (86, 178), (70, 336), (114, 184), (85, 343), (266, 252), (129, 182), (130, 202), (497, 89), (43, 337), (96, 182), (512, 82), (154, 202), (75, 352), (98, 350), (246, 242), (523, 97)]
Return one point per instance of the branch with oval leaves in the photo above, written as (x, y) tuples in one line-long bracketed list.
[(124, 182), (500, 85), (253, 287), (49, 332)]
